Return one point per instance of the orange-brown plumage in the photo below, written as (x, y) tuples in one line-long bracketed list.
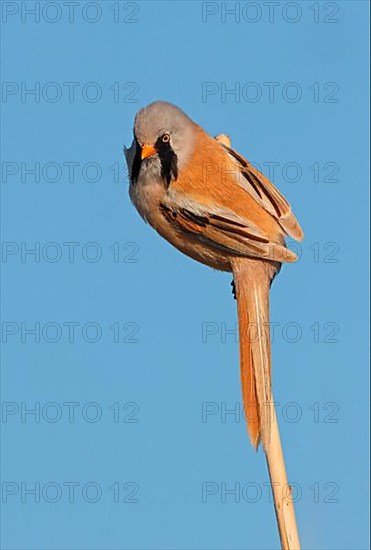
[(214, 206)]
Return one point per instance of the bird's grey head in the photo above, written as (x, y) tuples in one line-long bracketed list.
[(164, 139)]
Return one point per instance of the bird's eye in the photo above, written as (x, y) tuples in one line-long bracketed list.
[(165, 138)]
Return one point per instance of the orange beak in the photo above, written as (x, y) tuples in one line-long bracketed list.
[(147, 151)]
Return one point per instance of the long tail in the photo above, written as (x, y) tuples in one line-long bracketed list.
[(252, 281)]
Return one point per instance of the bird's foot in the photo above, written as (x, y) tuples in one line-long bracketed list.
[(233, 289)]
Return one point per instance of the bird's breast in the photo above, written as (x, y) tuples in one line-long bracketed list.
[(147, 199)]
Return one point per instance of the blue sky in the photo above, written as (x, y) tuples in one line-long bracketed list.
[(132, 365)]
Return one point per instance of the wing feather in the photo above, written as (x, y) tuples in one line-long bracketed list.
[(267, 195), (224, 231)]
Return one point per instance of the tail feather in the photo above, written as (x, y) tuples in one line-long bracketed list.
[(252, 279)]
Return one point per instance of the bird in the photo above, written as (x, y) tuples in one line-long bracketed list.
[(213, 205)]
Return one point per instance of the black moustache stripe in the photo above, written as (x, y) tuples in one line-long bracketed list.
[(169, 161), (137, 162)]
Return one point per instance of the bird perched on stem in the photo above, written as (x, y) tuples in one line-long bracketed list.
[(213, 205)]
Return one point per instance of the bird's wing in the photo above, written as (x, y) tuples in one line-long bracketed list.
[(223, 201), (222, 229), (266, 194)]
